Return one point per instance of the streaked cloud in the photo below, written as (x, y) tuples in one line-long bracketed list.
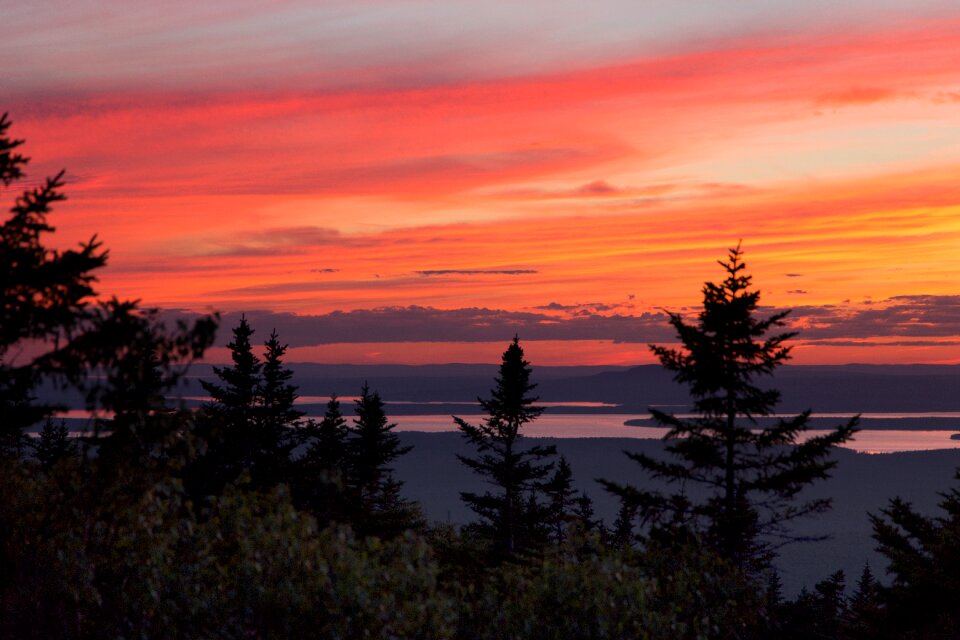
[(920, 320), (475, 272)]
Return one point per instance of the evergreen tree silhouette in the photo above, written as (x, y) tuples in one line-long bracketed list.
[(923, 558), (230, 418), (319, 484), (277, 394), (54, 444), (137, 379), (773, 603), (516, 472), (561, 500), (832, 601), (378, 508), (48, 299), (45, 293), (277, 419), (251, 423), (622, 535), (586, 514), (863, 608), (815, 614), (752, 476)]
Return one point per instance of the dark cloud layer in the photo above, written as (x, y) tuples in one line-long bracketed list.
[(594, 307), (915, 316), (474, 272), (915, 320), (427, 324)]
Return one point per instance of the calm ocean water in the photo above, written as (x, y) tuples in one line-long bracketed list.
[(611, 426)]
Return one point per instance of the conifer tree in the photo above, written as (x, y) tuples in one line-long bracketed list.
[(137, 380), (923, 556), (516, 472), (235, 399), (752, 475), (277, 418), (863, 608), (586, 514), (45, 294), (561, 500), (378, 508), (816, 614), (329, 447), (773, 602), (251, 419), (54, 444), (319, 475), (230, 418), (277, 394), (47, 300), (622, 535), (832, 603)]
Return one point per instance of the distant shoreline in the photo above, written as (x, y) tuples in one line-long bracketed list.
[(866, 424)]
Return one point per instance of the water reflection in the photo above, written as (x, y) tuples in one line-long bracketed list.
[(611, 426)]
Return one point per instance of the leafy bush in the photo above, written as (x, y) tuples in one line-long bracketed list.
[(83, 559)]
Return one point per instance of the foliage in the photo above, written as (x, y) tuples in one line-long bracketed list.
[(561, 501), (613, 594), (84, 559), (277, 393), (248, 423), (752, 476), (864, 608), (374, 492), (54, 445), (45, 293), (318, 483), (52, 327), (510, 514), (924, 560), (817, 614)]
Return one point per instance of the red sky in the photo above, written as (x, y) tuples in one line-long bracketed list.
[(449, 177)]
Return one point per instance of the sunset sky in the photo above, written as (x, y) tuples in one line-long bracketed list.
[(415, 181)]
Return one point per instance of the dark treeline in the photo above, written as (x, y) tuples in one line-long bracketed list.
[(246, 519)]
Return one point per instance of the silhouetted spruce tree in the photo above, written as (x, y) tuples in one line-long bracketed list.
[(561, 500), (250, 422), (378, 508), (863, 615), (230, 418), (54, 444), (832, 603), (923, 555), (277, 418), (330, 437), (137, 379), (752, 476), (586, 514), (319, 484), (44, 294), (515, 471), (47, 301), (772, 603), (816, 614), (277, 394), (622, 534)]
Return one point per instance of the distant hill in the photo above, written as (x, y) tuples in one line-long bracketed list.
[(845, 388)]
